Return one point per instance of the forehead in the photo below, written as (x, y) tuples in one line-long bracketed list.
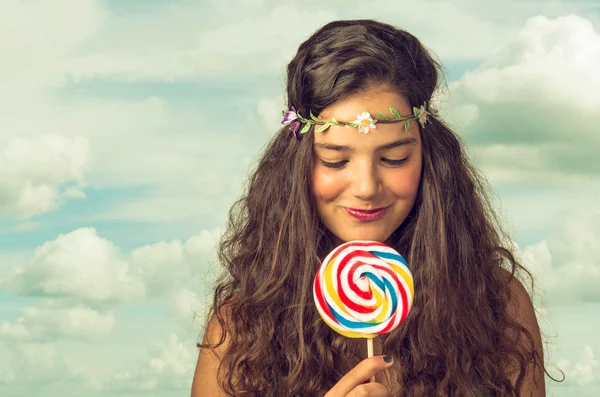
[(372, 101)]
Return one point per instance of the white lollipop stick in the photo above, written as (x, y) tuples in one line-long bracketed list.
[(370, 352)]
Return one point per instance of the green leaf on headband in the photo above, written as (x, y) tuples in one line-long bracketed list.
[(306, 128), (395, 113), (351, 124), (315, 118), (407, 125), (283, 113), (382, 116), (416, 111), (323, 127)]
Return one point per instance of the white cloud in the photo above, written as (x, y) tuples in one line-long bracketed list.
[(530, 111), (553, 59), (170, 367), (85, 267), (49, 321), (49, 31), (567, 265), (57, 139), (79, 264), (163, 266), (269, 110), (582, 372), (186, 304), (32, 363), (172, 45), (34, 172), (109, 143), (191, 310)]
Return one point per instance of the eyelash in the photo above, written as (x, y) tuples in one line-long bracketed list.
[(340, 164)]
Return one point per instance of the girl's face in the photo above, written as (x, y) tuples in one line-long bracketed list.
[(353, 170)]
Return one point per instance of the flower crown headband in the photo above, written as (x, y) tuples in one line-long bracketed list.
[(364, 121)]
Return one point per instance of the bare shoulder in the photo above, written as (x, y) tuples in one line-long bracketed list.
[(520, 308), (205, 375), (520, 305)]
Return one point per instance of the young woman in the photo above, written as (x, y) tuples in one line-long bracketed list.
[(375, 163)]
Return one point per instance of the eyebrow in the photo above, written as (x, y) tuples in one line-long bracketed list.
[(341, 148)]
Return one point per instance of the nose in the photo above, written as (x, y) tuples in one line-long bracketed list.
[(366, 183)]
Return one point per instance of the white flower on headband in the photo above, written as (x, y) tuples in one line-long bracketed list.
[(364, 122), (422, 116)]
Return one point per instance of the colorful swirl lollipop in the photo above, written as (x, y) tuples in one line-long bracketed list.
[(363, 289)]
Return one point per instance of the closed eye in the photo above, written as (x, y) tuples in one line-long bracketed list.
[(396, 163), (341, 164), (337, 165)]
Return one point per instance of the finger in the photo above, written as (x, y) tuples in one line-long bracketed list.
[(370, 390), (357, 375), (379, 378)]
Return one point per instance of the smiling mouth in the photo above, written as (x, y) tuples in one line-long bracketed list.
[(369, 215), (367, 211)]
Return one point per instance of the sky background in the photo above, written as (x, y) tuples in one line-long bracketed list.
[(128, 128)]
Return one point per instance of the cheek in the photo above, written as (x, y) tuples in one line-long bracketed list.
[(328, 185), (405, 185)]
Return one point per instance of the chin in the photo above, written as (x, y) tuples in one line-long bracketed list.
[(380, 237)]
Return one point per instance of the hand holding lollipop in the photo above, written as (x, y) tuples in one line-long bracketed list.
[(363, 289)]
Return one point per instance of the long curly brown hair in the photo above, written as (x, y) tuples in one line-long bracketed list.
[(458, 338)]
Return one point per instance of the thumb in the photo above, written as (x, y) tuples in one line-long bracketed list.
[(384, 363)]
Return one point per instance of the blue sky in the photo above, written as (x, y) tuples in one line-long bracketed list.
[(127, 129)]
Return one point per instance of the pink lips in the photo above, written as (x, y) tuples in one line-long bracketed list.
[(366, 215)]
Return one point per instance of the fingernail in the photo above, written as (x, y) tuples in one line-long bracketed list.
[(387, 359)]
